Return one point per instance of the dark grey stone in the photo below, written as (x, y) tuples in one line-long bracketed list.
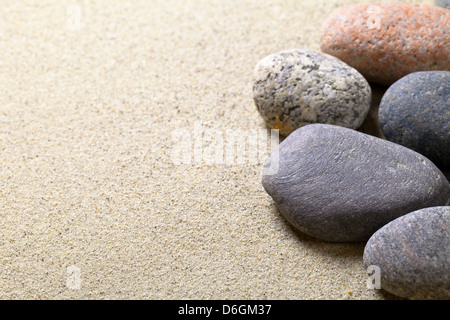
[(415, 112), (413, 254), (338, 184), (298, 87), (442, 3)]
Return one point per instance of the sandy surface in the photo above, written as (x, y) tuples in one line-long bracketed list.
[(92, 203)]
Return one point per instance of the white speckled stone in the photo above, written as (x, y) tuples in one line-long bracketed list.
[(298, 87)]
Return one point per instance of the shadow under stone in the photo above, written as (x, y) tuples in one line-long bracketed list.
[(371, 125), (332, 249)]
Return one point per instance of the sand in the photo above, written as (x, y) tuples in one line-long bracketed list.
[(94, 95)]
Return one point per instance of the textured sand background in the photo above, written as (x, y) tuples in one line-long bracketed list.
[(92, 205)]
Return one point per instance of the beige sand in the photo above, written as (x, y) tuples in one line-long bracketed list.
[(92, 205)]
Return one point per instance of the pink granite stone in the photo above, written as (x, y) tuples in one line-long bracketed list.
[(385, 42)]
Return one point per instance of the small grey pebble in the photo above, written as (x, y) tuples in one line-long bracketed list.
[(413, 254), (298, 87)]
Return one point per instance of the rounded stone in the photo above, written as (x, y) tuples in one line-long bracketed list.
[(415, 112), (385, 42), (298, 87), (338, 184), (413, 254)]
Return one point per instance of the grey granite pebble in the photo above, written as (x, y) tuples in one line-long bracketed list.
[(415, 112), (413, 254), (338, 184), (298, 87), (442, 3)]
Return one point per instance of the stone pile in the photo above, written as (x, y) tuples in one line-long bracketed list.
[(338, 184)]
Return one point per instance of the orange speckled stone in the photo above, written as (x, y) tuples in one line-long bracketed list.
[(385, 42)]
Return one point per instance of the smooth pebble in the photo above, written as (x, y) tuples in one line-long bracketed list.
[(412, 254), (298, 87), (387, 41), (338, 184), (415, 112)]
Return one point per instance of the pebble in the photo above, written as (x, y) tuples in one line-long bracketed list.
[(341, 185), (415, 112), (413, 254), (442, 3), (298, 87), (385, 42)]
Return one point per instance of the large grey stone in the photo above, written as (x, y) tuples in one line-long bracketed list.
[(298, 87), (338, 184), (413, 254)]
